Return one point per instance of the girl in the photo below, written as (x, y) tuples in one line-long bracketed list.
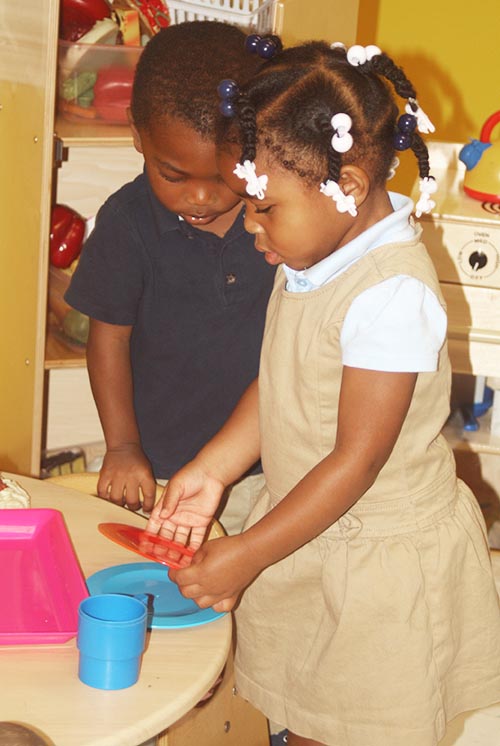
[(369, 614)]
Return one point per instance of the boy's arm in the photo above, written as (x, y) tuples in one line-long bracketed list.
[(126, 470)]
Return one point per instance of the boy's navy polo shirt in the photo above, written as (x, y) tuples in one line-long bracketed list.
[(197, 303)]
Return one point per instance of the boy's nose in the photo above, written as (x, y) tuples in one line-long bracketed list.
[(201, 196)]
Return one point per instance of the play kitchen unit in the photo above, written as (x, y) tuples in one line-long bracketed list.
[(463, 238)]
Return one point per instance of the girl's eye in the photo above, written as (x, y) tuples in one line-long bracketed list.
[(262, 210)]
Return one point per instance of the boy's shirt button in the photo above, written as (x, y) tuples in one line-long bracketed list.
[(230, 279)]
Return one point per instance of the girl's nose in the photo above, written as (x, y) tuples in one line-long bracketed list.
[(251, 225)]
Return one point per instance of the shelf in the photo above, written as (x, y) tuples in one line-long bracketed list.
[(478, 441), (83, 134), (61, 354)]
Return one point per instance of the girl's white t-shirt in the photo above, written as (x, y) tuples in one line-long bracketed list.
[(397, 325)]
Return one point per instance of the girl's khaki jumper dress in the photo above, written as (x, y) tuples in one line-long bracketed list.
[(388, 624)]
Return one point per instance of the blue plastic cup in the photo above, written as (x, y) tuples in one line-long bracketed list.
[(111, 639)]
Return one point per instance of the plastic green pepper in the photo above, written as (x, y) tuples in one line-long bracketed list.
[(76, 326), (74, 87)]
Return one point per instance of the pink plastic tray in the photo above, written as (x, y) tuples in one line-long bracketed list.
[(41, 584)]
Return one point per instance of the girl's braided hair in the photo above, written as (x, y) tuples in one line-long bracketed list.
[(288, 106)]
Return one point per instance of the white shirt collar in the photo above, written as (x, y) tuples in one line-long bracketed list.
[(393, 228)]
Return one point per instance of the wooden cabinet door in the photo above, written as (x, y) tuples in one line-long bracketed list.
[(28, 59)]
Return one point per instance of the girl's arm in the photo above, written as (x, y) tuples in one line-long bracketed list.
[(125, 471), (236, 447), (191, 497), (372, 409)]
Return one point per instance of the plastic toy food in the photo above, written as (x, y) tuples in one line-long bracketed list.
[(154, 14), (67, 228), (12, 495), (79, 16), (112, 92), (76, 326)]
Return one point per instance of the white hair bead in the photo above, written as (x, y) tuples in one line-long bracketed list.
[(341, 121), (342, 143), (372, 51), (341, 124), (356, 55)]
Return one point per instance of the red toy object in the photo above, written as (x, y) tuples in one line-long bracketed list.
[(67, 228), (112, 92), (153, 14), (79, 16), (151, 546)]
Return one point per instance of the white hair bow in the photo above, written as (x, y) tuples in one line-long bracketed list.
[(256, 185), (425, 204), (424, 124), (358, 55), (344, 202)]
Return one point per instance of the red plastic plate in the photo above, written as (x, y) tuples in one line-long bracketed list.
[(148, 545)]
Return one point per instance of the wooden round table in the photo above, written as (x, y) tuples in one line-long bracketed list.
[(40, 685)]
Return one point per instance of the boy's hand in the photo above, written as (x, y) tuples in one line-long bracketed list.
[(126, 473), (220, 570), (187, 506)]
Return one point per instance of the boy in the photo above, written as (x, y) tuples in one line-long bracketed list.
[(175, 292)]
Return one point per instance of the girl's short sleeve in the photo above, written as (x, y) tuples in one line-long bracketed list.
[(397, 325)]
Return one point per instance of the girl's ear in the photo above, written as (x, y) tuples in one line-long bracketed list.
[(354, 180), (135, 132)]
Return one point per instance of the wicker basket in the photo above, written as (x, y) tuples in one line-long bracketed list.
[(258, 15)]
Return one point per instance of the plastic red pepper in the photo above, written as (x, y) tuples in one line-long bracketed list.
[(112, 92), (67, 228), (79, 16)]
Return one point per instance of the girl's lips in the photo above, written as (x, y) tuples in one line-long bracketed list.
[(271, 257)]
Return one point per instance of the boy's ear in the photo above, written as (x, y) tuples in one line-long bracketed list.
[(135, 132), (354, 180)]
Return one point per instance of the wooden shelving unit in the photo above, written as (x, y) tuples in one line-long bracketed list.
[(79, 134), (60, 353)]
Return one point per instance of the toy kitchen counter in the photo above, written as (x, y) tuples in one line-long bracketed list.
[(462, 236)]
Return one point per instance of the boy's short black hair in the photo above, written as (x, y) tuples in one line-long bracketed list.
[(179, 71)]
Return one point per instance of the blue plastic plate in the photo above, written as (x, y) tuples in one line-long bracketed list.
[(169, 608)]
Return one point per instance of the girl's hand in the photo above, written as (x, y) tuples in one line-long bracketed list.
[(187, 506), (220, 570), (125, 474)]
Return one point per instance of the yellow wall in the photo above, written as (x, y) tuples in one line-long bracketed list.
[(320, 19), (450, 50)]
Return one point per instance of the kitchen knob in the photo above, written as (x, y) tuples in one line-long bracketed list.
[(478, 260)]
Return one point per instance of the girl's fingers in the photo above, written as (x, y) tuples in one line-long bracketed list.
[(223, 606)]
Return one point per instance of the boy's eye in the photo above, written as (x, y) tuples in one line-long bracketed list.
[(172, 179), (262, 210)]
